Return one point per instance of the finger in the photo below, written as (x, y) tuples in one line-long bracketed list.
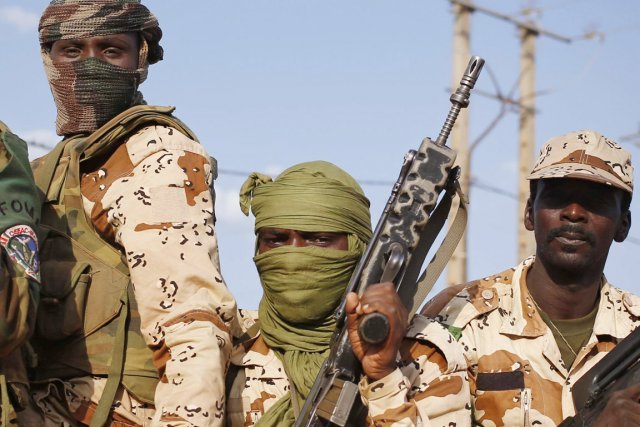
[(380, 290), (632, 392), (380, 295), (391, 305), (352, 303)]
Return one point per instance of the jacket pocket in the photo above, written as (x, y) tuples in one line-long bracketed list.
[(62, 303), (80, 292)]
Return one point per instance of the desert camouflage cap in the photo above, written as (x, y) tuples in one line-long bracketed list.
[(588, 155), (74, 19)]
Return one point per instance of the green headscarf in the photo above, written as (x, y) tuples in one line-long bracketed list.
[(304, 285)]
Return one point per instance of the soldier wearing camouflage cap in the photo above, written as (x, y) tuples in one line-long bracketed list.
[(531, 331), (135, 323), (19, 270)]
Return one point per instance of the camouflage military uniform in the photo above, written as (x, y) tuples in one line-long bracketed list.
[(151, 197), (128, 244), (428, 388), (516, 372), (19, 270)]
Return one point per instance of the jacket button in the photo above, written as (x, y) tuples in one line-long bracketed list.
[(487, 294)]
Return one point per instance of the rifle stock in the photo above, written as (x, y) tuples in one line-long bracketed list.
[(395, 253), (618, 369)]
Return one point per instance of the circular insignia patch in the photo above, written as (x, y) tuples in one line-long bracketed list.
[(21, 245)]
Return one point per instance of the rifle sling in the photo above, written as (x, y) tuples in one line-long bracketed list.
[(103, 411), (440, 259), (6, 405)]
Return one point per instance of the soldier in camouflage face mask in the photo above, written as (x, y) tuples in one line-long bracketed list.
[(96, 54), (135, 323)]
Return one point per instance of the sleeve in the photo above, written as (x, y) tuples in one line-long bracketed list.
[(18, 294), (19, 268), (162, 216), (430, 387), (19, 261)]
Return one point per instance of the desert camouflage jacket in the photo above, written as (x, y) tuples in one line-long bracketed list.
[(151, 198), (429, 388), (516, 373)]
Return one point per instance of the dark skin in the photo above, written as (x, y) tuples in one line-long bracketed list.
[(270, 238), (622, 410), (377, 361), (116, 49), (575, 222)]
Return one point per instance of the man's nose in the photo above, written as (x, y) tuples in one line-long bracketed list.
[(298, 241), (574, 212), (91, 52)]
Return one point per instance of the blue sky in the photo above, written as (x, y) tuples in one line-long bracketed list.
[(266, 84)]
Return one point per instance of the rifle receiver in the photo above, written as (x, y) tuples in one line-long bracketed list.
[(396, 253)]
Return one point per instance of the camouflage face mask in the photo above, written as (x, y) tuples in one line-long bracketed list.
[(89, 92)]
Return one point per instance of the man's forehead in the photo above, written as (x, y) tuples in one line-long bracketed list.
[(129, 37)]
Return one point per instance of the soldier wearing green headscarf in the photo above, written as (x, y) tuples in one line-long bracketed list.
[(136, 320), (19, 270), (312, 225)]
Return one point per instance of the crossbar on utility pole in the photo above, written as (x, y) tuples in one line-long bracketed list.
[(521, 24), (529, 31)]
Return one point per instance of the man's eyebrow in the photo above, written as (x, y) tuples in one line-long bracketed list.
[(272, 232)]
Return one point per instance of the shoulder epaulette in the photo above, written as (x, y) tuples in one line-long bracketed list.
[(477, 298)]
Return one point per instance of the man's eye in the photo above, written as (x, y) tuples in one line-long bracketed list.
[(273, 240), (112, 51), (71, 51), (321, 240)]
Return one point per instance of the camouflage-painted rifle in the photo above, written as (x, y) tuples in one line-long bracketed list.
[(618, 369), (396, 252)]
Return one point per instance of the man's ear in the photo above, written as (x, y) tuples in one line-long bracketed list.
[(623, 227), (528, 215)]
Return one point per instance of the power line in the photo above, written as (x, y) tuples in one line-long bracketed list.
[(370, 182), (40, 145)]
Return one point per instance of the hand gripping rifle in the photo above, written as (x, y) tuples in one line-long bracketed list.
[(396, 252), (618, 369)]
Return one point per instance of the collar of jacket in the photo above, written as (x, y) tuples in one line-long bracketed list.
[(618, 311)]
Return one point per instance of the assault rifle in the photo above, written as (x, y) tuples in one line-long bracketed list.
[(396, 252), (618, 369)]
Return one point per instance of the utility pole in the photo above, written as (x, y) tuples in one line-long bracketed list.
[(526, 242), (457, 267), (528, 34)]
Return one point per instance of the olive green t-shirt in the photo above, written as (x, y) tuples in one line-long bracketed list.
[(576, 332)]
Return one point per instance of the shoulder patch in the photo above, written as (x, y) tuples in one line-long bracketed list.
[(21, 244)]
